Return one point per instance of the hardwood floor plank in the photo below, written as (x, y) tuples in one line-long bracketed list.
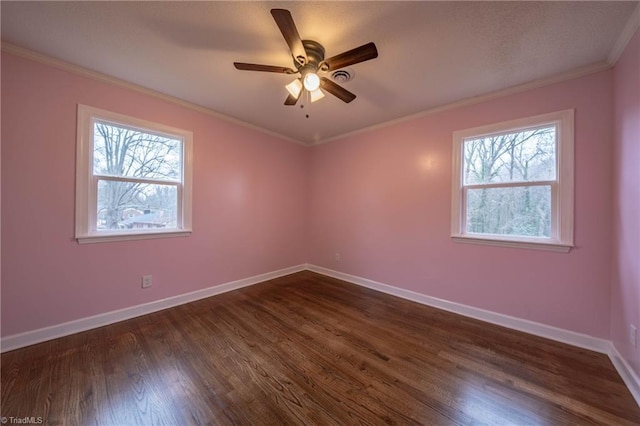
[(309, 349)]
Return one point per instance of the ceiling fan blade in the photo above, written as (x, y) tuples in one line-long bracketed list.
[(292, 100), (290, 33), (336, 90), (354, 56), (266, 68)]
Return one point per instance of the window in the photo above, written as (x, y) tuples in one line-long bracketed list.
[(133, 178), (513, 183)]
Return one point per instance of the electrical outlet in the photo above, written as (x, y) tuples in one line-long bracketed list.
[(146, 281), (633, 335), (337, 257)]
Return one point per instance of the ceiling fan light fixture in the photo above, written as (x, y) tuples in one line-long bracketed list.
[(311, 81), (295, 87), (316, 95), (308, 58)]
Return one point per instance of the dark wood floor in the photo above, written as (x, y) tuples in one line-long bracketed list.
[(307, 349)]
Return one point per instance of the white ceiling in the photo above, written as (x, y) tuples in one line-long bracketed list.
[(430, 53)]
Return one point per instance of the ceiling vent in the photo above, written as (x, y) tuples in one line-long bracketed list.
[(342, 76)]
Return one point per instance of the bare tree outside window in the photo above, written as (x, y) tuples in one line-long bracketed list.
[(512, 183), (507, 180), (138, 175)]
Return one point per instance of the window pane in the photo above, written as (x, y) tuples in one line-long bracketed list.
[(132, 205), (517, 211), (524, 156), (119, 151)]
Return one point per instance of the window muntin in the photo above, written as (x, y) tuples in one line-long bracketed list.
[(133, 178), (513, 182)]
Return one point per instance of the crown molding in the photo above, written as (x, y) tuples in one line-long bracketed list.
[(96, 75), (558, 78), (625, 36), (86, 72)]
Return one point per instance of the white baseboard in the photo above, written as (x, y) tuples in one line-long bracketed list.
[(558, 334), (531, 327), (28, 338), (629, 377)]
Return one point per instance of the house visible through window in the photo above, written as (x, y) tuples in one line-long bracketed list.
[(133, 178), (513, 183)]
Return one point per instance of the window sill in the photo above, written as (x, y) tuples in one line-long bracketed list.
[(521, 244), (107, 238)]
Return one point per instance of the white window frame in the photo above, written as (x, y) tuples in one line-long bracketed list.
[(87, 183), (561, 188)]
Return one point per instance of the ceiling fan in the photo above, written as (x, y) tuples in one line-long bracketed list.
[(308, 59)]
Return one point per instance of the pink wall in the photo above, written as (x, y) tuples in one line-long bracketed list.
[(249, 204), (625, 301), (382, 199)]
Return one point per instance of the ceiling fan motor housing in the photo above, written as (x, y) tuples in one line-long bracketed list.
[(315, 54)]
